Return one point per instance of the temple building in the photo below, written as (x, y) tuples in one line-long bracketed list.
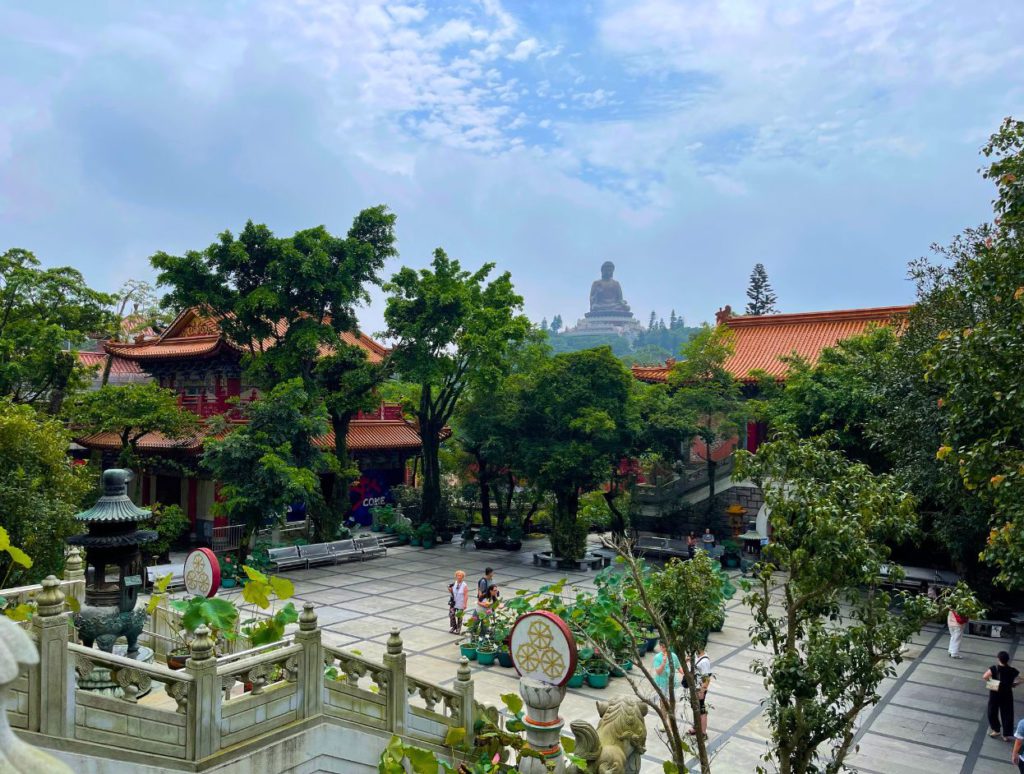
[(761, 342), (609, 313), (193, 358)]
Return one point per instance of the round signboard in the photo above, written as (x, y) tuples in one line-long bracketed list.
[(202, 572), (543, 648)]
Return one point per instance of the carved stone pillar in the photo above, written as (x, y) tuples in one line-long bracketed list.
[(16, 653), (464, 687), (394, 660), (54, 712), (204, 710), (74, 570), (543, 725), (311, 683)]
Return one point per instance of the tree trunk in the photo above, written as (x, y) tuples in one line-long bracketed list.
[(563, 525), (484, 480), (711, 485), (106, 370), (431, 474)]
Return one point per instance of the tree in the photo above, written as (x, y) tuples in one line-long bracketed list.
[(452, 328), (760, 293), (131, 411), (556, 323), (40, 491), (707, 391), (291, 302), (833, 635), (270, 462), (653, 322), (544, 324), (125, 322), (45, 315), (573, 428), (978, 365)]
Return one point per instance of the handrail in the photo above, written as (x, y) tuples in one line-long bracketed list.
[(242, 665), (229, 657), (154, 670)]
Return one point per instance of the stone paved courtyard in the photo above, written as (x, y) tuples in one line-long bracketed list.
[(931, 718)]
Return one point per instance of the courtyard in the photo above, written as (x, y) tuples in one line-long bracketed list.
[(931, 717)]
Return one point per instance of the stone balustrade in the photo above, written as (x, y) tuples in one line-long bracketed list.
[(201, 711)]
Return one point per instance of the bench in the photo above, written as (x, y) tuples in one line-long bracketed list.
[(285, 558), (316, 553), (370, 547), (662, 548), (177, 571), (984, 628), (344, 551)]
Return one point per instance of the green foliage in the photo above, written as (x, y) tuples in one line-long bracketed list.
[(270, 462), (961, 599), (40, 491), (45, 310), (832, 643), (452, 328), (16, 558), (217, 614), (289, 300), (261, 590), (170, 522), (760, 293)]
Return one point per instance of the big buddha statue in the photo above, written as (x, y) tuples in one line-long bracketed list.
[(606, 294)]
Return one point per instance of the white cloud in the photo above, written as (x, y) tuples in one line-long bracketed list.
[(523, 50)]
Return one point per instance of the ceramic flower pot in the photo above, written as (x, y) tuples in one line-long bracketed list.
[(486, 657), (597, 679), (505, 658), (469, 650), (576, 681)]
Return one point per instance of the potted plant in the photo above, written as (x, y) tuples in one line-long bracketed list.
[(597, 673), (228, 571), (578, 677), (513, 538), (425, 532), (485, 539), (218, 615), (405, 532), (468, 533), (261, 591), (731, 557), (486, 651)]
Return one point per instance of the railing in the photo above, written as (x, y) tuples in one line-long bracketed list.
[(214, 704), (691, 478), (227, 538)]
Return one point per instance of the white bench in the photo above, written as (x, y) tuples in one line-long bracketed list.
[(155, 573), (285, 558), (316, 553)]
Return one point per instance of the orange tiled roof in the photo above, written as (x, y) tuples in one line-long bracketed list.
[(761, 341), (195, 335), (363, 435), (119, 366)]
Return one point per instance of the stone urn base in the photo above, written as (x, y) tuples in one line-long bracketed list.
[(100, 681), (590, 561)]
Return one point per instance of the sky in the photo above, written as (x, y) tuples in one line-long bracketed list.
[(685, 140)]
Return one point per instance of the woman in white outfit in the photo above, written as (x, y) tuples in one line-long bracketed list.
[(956, 624)]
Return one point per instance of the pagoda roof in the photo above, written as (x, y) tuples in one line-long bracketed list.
[(364, 435), (119, 366), (195, 335), (760, 342), (114, 506)]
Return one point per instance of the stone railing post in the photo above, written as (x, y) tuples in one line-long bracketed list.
[(52, 692), (464, 687), (398, 704), (204, 705), (74, 570), (311, 680)]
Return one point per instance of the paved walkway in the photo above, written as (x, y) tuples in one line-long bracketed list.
[(931, 718)]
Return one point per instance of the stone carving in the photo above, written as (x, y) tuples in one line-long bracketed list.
[(619, 740), (179, 692), (606, 293), (133, 682), (17, 652)]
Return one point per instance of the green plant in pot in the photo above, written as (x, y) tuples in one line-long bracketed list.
[(597, 673), (228, 571), (731, 558), (220, 616), (486, 651), (579, 676), (469, 645), (513, 538), (405, 532), (485, 539), (425, 532), (260, 591)]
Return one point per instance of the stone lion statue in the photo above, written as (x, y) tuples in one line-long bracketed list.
[(619, 740)]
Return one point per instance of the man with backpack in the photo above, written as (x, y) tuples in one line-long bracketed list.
[(702, 678)]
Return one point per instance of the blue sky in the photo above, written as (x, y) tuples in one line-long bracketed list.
[(832, 140)]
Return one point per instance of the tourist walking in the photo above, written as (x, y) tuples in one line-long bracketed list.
[(702, 677), (1001, 679), (956, 624), (1018, 741), (458, 599)]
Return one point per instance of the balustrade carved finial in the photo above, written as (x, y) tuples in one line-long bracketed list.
[(201, 647), (73, 564), (465, 674), (50, 601), (307, 619), (395, 642)]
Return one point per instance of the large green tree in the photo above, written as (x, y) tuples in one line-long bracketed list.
[(270, 462), (290, 301), (574, 426), (832, 634), (40, 490), (978, 364), (452, 328), (45, 315)]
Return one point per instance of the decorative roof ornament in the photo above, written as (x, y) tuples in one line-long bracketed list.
[(114, 505)]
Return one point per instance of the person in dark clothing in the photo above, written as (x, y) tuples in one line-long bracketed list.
[(1000, 699)]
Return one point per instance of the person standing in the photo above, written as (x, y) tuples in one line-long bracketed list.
[(485, 598), (667, 671), (709, 539), (956, 623), (691, 545), (1018, 741), (1002, 678), (702, 678), (483, 585), (457, 601)]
